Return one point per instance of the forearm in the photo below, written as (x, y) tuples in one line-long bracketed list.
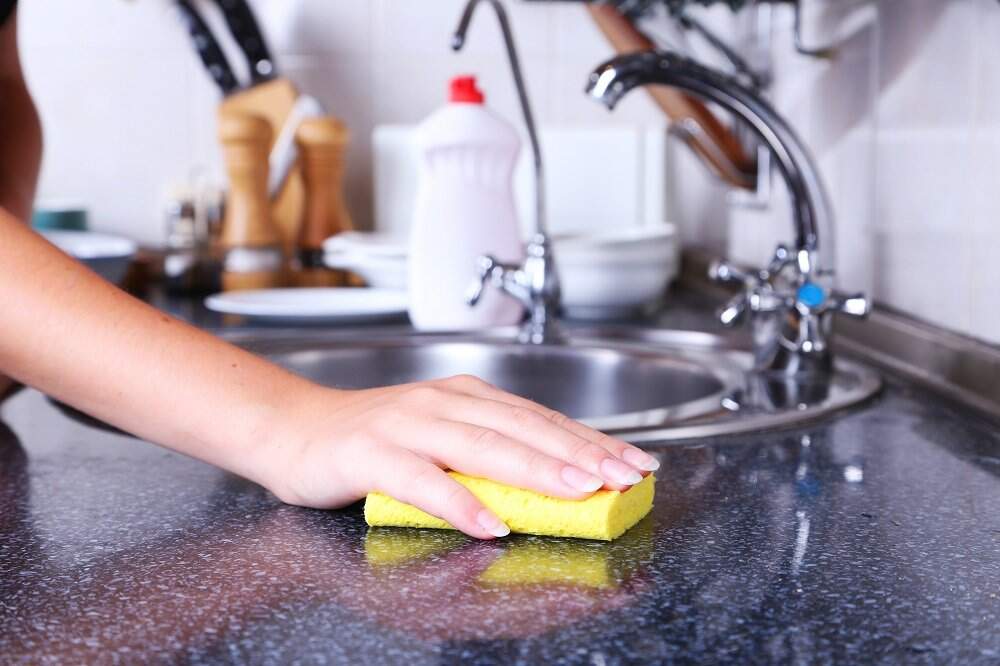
[(74, 336), (20, 141)]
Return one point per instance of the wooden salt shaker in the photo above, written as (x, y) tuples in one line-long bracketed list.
[(322, 144)]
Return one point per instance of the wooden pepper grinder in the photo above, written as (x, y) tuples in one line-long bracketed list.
[(322, 144), (250, 240)]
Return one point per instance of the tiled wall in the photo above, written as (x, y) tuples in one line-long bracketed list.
[(937, 162), (905, 121)]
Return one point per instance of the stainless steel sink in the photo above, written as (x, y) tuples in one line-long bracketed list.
[(642, 385)]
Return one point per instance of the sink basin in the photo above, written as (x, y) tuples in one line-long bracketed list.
[(609, 386), (639, 384)]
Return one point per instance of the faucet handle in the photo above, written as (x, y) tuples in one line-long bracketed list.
[(486, 265), (782, 257), (854, 305), (736, 308), (733, 311), (758, 295), (811, 297), (754, 299), (724, 272)]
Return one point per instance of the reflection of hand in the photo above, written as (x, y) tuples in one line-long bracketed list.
[(446, 597), (398, 440)]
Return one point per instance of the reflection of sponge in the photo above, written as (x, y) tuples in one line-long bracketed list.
[(605, 515), (540, 561), (394, 548)]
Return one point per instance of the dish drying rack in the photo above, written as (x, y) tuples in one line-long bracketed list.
[(636, 9)]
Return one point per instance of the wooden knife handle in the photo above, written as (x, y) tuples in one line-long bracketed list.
[(678, 106)]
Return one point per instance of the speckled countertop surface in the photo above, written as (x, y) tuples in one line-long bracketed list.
[(873, 537)]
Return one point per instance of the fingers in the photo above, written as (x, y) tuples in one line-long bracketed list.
[(471, 427), (522, 437), (411, 479), (632, 455), (477, 450)]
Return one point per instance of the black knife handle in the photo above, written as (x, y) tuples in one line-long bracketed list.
[(208, 48), (246, 31)]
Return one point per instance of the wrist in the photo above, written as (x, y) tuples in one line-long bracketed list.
[(286, 430)]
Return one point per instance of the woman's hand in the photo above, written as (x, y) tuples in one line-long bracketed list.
[(398, 441), (136, 368)]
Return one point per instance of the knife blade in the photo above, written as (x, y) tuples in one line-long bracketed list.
[(208, 48), (248, 36)]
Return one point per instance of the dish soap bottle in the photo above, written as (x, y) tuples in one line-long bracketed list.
[(464, 209)]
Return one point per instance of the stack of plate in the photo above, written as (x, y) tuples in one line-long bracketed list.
[(380, 260), (603, 275)]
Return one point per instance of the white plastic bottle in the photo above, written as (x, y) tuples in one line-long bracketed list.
[(465, 208)]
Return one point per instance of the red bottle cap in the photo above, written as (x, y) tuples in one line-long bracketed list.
[(464, 91)]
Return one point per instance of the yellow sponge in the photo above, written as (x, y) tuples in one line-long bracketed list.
[(605, 515)]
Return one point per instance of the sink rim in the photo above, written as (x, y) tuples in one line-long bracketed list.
[(853, 383)]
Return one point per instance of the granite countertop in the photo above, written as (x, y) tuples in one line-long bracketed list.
[(871, 537)]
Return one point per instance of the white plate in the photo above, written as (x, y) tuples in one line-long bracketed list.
[(343, 305), (85, 245)]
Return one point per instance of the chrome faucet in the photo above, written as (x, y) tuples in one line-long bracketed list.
[(791, 302), (535, 283)]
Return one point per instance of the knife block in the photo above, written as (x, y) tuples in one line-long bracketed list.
[(322, 144), (251, 242)]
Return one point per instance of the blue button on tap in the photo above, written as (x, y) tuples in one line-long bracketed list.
[(811, 295)]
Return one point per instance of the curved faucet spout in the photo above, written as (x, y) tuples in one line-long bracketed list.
[(457, 42), (813, 217)]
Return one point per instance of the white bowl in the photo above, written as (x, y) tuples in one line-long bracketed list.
[(108, 256), (616, 273), (368, 243), (636, 242), (603, 275)]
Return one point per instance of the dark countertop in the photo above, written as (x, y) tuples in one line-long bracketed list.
[(872, 537)]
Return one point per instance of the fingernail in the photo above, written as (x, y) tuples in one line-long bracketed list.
[(489, 522), (619, 472), (577, 479), (642, 460)]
